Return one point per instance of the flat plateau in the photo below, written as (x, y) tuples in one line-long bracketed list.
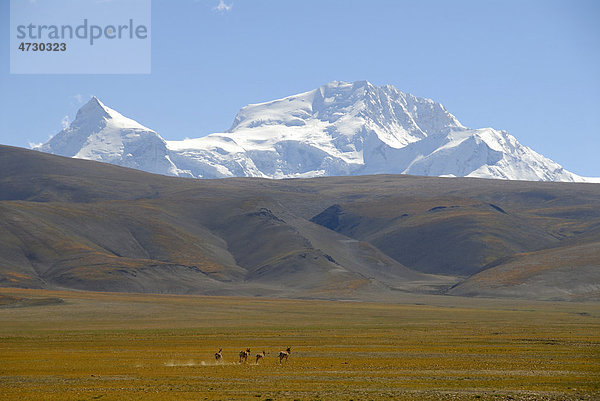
[(77, 345)]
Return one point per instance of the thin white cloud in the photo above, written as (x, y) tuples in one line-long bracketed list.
[(223, 7), (33, 145)]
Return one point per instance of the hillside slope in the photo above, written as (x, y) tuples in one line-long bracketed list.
[(68, 223)]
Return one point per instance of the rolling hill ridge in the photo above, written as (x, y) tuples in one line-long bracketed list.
[(68, 223)]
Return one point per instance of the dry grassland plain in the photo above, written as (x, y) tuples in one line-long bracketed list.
[(110, 346)]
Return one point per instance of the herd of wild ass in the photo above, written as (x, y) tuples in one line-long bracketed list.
[(244, 354)]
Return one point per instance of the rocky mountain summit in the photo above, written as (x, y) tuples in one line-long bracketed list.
[(339, 129)]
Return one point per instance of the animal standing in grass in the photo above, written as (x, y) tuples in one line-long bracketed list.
[(284, 354), (260, 356), (218, 355), (244, 355)]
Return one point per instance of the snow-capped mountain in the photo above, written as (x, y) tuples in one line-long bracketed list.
[(102, 134), (338, 129)]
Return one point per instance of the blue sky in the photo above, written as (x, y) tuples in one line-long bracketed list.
[(529, 67)]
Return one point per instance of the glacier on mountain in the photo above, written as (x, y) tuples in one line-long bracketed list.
[(102, 134), (338, 129)]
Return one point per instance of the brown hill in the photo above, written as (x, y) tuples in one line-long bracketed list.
[(93, 226), (569, 272)]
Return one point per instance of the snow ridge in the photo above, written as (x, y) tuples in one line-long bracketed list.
[(102, 134), (337, 129)]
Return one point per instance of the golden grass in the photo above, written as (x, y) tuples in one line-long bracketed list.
[(161, 347)]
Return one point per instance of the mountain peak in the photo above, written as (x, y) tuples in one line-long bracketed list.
[(95, 112), (103, 134), (93, 108), (340, 128), (344, 84), (95, 102)]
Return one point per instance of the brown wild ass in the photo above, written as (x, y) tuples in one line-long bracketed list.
[(284, 354), (244, 355), (260, 356)]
